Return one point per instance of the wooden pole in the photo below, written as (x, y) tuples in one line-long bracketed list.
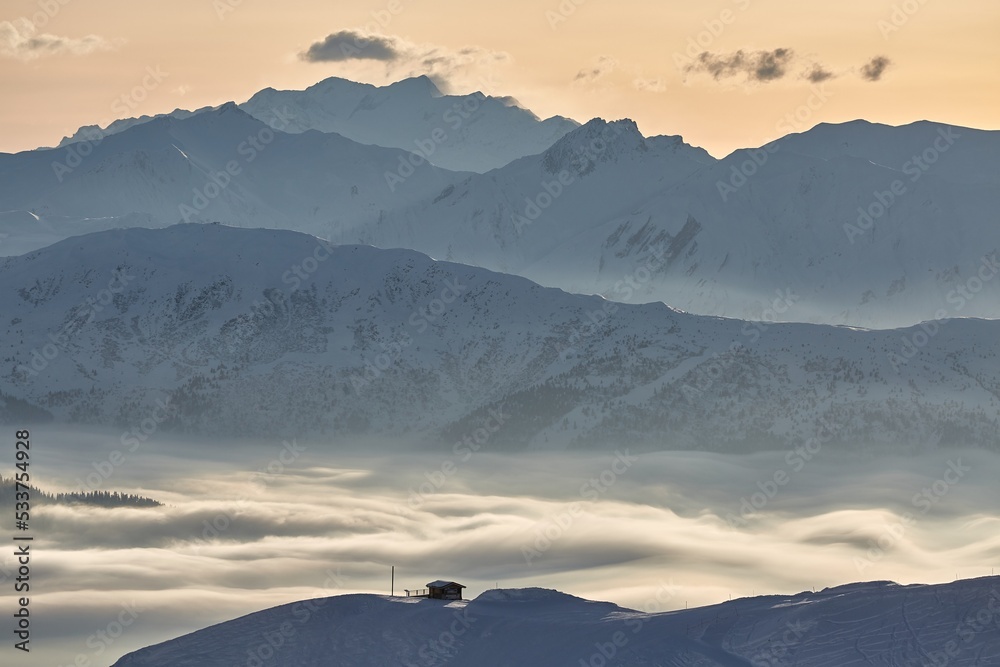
[(392, 582)]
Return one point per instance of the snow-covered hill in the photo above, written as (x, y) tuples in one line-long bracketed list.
[(269, 332), (878, 623)]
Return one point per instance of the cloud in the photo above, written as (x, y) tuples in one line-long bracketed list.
[(649, 85), (242, 542), (875, 68), (402, 58), (817, 74), (759, 66), (352, 45), (605, 65), (18, 39)]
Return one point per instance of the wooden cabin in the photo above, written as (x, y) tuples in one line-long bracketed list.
[(444, 590), (437, 590)]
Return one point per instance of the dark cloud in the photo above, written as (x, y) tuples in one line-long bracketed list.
[(817, 74), (404, 59), (874, 68), (352, 45), (755, 65)]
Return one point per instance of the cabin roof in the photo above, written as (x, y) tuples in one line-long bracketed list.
[(440, 583)]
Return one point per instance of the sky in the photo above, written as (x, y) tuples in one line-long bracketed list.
[(296, 520), (723, 74)]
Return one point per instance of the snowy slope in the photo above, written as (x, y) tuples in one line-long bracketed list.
[(878, 623), (474, 132), (261, 331)]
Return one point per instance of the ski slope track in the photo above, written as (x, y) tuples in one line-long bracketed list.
[(878, 623)]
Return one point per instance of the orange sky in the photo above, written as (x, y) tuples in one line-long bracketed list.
[(66, 63)]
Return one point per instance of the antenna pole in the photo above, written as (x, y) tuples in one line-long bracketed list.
[(392, 582)]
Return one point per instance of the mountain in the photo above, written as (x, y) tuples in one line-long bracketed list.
[(876, 244), (474, 132), (513, 218), (219, 165), (867, 225), (957, 154), (220, 330), (877, 623)]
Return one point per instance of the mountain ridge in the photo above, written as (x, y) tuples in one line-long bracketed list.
[(233, 327)]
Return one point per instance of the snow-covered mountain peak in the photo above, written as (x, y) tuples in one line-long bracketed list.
[(229, 107), (331, 84), (473, 132), (595, 142), (422, 85)]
